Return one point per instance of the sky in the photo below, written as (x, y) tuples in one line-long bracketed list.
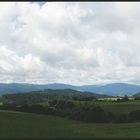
[(79, 43)]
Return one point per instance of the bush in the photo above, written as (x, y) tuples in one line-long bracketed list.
[(135, 115)]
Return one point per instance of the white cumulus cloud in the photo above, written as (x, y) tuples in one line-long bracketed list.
[(70, 42)]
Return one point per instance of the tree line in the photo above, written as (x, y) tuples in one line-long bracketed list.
[(70, 110)]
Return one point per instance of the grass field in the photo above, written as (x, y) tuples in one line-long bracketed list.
[(26, 125), (123, 107)]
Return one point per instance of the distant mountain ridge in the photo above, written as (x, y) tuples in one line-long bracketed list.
[(137, 95), (115, 89)]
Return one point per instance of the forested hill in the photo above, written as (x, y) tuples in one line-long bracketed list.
[(49, 94)]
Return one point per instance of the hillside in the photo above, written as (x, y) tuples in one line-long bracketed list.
[(49, 94), (137, 95)]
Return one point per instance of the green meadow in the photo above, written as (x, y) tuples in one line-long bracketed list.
[(123, 107), (27, 125)]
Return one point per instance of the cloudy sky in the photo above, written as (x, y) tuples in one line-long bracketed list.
[(74, 43)]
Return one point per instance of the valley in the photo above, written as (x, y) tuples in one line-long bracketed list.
[(68, 113)]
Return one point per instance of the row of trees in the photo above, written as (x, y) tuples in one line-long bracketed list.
[(81, 113), (124, 99)]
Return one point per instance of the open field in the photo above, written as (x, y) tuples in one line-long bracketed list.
[(113, 98), (123, 107), (26, 125)]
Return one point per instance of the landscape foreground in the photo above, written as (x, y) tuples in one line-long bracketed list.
[(68, 114), (27, 125)]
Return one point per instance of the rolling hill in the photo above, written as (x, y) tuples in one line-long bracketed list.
[(35, 97)]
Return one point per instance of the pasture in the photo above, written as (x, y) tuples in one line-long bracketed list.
[(27, 125), (122, 107)]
